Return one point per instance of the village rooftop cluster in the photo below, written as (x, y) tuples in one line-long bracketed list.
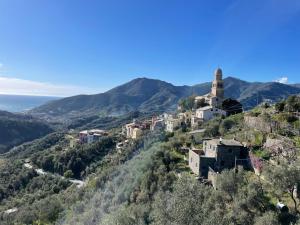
[(215, 155)]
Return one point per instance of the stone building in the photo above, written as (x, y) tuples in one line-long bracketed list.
[(217, 89), (130, 127), (217, 154), (137, 133), (157, 124), (216, 95)]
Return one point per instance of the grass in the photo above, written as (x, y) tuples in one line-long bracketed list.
[(261, 153)]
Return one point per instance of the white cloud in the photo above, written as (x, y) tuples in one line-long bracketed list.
[(283, 80), (18, 86)]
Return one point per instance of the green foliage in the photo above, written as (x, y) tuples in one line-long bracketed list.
[(268, 218), (17, 129), (187, 103), (212, 130), (284, 178), (258, 138), (261, 153), (74, 161), (232, 106), (291, 104), (226, 125), (200, 103), (279, 106), (68, 174), (236, 201)]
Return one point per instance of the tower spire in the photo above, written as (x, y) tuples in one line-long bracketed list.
[(217, 88)]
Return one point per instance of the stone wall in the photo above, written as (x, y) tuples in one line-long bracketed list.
[(259, 123)]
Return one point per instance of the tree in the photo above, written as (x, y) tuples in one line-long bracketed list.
[(200, 103), (68, 174), (232, 106), (228, 183), (284, 178), (182, 206), (293, 103), (226, 125), (187, 103), (279, 106)]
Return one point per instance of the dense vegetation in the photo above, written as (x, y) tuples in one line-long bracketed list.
[(17, 129), (148, 181)]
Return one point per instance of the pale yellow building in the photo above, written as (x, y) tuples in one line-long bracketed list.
[(136, 133)]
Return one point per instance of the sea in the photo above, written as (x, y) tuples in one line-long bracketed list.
[(22, 103)]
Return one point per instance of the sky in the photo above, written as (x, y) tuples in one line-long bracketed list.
[(68, 47)]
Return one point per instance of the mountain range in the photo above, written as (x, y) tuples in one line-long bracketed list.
[(150, 95)]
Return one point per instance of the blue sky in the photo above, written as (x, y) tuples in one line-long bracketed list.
[(66, 47)]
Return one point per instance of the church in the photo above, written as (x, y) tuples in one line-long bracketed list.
[(212, 100), (216, 96)]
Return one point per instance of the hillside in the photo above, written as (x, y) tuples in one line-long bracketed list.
[(133, 185), (16, 129), (148, 95)]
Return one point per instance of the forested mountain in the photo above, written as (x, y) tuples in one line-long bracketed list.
[(148, 95), (16, 129)]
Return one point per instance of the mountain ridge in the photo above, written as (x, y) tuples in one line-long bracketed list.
[(145, 94)]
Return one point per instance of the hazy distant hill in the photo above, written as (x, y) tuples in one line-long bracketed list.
[(145, 94), (20, 103), (16, 129)]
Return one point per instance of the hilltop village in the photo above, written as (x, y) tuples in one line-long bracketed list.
[(207, 157), (206, 160), (215, 154)]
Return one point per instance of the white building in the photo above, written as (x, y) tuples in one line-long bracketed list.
[(90, 136), (209, 112), (172, 124), (209, 99)]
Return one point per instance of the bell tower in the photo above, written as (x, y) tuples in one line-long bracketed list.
[(217, 88)]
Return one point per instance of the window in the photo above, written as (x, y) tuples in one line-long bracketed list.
[(222, 163), (196, 164), (230, 150)]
